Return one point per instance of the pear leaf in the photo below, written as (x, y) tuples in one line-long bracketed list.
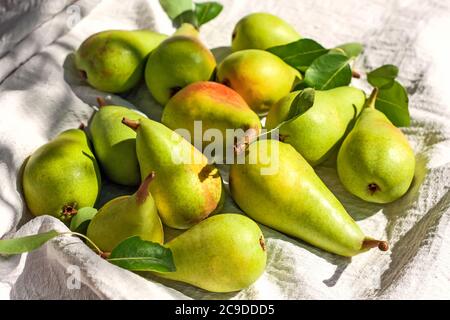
[(174, 8), (329, 71), (81, 220), (383, 77), (26, 244), (351, 49), (206, 11), (393, 102), (302, 102), (299, 54), (140, 255)]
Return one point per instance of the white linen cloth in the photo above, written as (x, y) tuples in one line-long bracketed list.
[(45, 96)]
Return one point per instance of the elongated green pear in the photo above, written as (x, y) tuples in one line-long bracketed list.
[(186, 188), (115, 144), (262, 31), (61, 176), (376, 162), (223, 253), (216, 106), (178, 61), (317, 132), (127, 216), (114, 60), (278, 188), (260, 77)]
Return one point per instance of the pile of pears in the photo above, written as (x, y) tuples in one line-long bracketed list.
[(177, 186)]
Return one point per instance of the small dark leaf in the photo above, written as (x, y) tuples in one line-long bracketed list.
[(174, 8), (139, 255), (300, 86), (26, 244), (329, 71), (393, 102), (81, 220), (302, 102), (299, 54), (206, 11), (383, 77), (352, 49)]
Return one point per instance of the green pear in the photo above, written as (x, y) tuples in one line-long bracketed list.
[(317, 132), (61, 176), (186, 188), (223, 253), (127, 216), (114, 60), (115, 144), (277, 187), (178, 61), (376, 162), (216, 106), (262, 31), (260, 77)]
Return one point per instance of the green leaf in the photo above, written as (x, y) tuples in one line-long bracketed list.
[(185, 17), (383, 77), (302, 102), (393, 102), (174, 8), (351, 49), (329, 71), (81, 220), (26, 244), (299, 54), (141, 255), (206, 11)]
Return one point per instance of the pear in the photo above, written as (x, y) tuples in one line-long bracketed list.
[(277, 187), (223, 253), (127, 216), (376, 162), (216, 106), (186, 188), (61, 176), (115, 144), (316, 133), (114, 60), (178, 61), (260, 77), (262, 31)]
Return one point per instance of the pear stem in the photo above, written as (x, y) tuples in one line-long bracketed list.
[(143, 192), (356, 74), (370, 243), (81, 126), (370, 103), (101, 102), (133, 124)]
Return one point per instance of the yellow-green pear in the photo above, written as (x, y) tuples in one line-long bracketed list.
[(186, 188), (260, 77), (223, 253), (127, 216), (277, 187), (376, 162), (178, 61), (262, 31), (61, 176), (217, 107), (115, 144), (318, 131), (114, 60)]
